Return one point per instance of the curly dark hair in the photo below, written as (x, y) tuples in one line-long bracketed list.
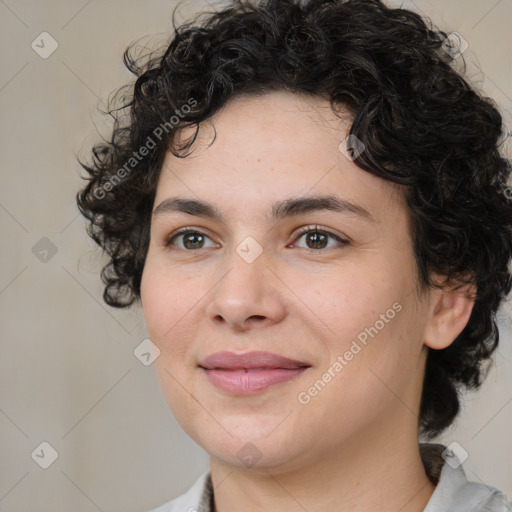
[(422, 124)]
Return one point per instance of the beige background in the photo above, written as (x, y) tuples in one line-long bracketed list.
[(68, 375)]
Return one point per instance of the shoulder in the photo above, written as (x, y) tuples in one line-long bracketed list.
[(453, 492), (192, 500)]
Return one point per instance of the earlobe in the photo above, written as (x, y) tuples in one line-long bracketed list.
[(448, 316)]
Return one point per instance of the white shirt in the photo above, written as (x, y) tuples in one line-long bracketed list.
[(453, 492)]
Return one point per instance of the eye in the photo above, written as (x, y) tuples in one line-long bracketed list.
[(317, 239), (191, 239)]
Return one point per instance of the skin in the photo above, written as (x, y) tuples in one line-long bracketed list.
[(354, 446)]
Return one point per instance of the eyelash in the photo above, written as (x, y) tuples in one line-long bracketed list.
[(307, 229)]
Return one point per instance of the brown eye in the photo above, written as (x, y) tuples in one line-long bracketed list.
[(317, 239), (188, 240)]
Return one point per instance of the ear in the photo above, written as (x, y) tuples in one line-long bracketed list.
[(449, 313)]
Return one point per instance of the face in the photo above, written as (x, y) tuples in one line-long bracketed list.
[(287, 326)]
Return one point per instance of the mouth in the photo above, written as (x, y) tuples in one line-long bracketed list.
[(251, 372)]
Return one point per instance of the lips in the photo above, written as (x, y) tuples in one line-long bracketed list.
[(249, 360), (251, 372)]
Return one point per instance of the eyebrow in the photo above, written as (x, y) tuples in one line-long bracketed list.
[(279, 210)]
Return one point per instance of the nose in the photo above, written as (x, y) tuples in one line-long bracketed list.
[(247, 294)]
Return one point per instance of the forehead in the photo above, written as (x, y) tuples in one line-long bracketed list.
[(258, 150)]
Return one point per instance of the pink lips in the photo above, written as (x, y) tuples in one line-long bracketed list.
[(249, 373)]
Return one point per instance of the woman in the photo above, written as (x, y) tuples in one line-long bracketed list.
[(311, 207)]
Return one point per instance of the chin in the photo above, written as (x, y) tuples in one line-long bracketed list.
[(247, 444), (258, 456)]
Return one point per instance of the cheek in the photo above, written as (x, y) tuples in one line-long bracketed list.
[(166, 306), (380, 344), (364, 311), (165, 310), (350, 301)]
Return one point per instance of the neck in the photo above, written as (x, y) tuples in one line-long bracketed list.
[(365, 474)]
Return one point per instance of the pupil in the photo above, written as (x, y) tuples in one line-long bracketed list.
[(317, 238), (187, 239)]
